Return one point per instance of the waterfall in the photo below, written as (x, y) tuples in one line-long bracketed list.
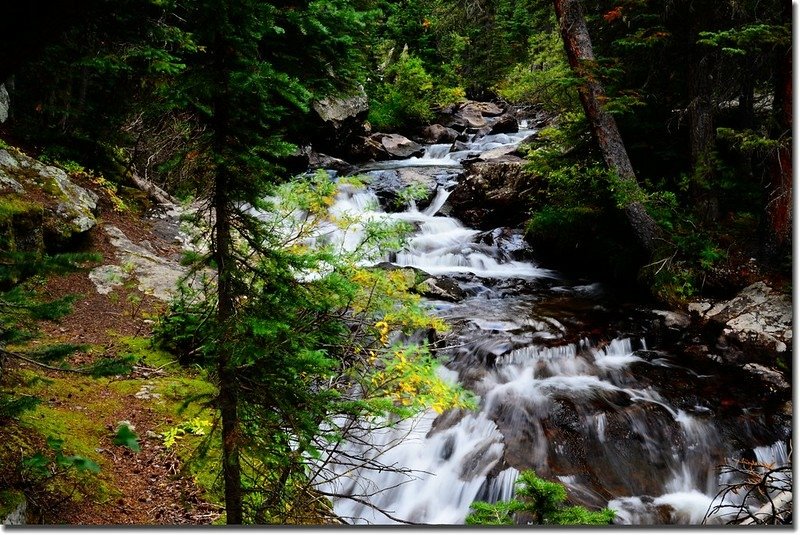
[(595, 413)]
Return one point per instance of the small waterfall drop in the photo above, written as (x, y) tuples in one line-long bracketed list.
[(595, 413)]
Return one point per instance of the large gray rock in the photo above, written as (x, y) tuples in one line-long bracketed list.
[(437, 133), (339, 110), (400, 147), (69, 209), (5, 104), (341, 125), (486, 109), (472, 116), (317, 160), (758, 318), (444, 288), (505, 124), (395, 186), (153, 274)]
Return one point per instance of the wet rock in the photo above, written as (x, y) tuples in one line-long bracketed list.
[(380, 146), (400, 147), (773, 378), (437, 133), (317, 160), (443, 288), (459, 146), (493, 194), (470, 116), (505, 124), (396, 187), (486, 109), (510, 243), (500, 154)]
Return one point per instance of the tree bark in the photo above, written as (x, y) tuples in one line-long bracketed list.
[(702, 131), (779, 199), (222, 247), (578, 46)]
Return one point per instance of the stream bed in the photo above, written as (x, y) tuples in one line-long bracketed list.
[(571, 381)]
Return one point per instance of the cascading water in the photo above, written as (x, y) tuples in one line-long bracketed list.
[(597, 414)]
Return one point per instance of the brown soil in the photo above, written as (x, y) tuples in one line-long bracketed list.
[(154, 490)]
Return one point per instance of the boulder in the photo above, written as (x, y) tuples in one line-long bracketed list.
[(69, 209), (486, 109), (505, 154), (400, 147), (341, 121), (772, 378), (394, 186), (464, 116), (437, 133), (380, 146), (317, 160), (337, 111), (505, 124), (493, 194), (443, 288), (758, 319)]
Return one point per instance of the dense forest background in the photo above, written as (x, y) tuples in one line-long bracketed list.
[(214, 101)]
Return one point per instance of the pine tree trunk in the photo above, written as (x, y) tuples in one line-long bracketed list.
[(779, 202), (228, 388), (702, 132), (578, 46), (222, 244)]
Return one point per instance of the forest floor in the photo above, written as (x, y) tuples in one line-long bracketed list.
[(157, 485)]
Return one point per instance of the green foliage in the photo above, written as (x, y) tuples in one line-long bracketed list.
[(125, 436), (53, 463), (407, 95), (544, 78), (312, 343), (537, 501), (749, 37), (196, 426)]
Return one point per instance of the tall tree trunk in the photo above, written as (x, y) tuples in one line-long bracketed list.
[(228, 398), (578, 46), (702, 133), (779, 200), (222, 244)]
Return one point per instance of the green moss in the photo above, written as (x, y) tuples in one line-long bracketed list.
[(20, 225), (9, 501), (81, 433), (51, 187), (126, 387), (12, 206), (147, 353)]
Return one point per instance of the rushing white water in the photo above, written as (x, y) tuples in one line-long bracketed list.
[(585, 413)]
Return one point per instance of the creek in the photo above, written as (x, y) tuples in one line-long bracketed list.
[(572, 383)]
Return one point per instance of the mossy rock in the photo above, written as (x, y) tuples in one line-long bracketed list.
[(21, 225), (68, 209), (13, 507)]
